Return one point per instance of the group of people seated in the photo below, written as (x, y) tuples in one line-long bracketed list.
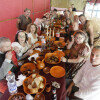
[(79, 38)]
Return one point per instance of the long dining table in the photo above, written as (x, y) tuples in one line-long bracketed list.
[(49, 79)]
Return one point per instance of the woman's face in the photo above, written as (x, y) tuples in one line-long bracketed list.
[(79, 38), (21, 37), (68, 21), (32, 29)]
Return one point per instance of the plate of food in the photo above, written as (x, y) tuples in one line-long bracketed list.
[(57, 71), (60, 44), (52, 58), (28, 68), (34, 84), (17, 96)]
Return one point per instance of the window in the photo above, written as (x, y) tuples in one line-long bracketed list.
[(92, 10)]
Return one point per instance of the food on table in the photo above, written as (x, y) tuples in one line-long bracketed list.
[(52, 59), (27, 72), (59, 43), (17, 96), (28, 68), (34, 84)]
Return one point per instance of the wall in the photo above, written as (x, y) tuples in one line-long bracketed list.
[(79, 4), (11, 9)]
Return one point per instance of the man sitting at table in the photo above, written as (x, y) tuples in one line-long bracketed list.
[(88, 78), (6, 57)]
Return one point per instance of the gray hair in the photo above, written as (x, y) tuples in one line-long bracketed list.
[(4, 39)]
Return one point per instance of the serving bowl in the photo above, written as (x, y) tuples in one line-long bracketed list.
[(52, 58), (17, 96), (60, 53), (34, 84), (28, 68), (46, 70), (39, 96)]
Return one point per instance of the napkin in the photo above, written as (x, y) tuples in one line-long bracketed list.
[(59, 49), (29, 97), (38, 49), (55, 84), (34, 55), (20, 80)]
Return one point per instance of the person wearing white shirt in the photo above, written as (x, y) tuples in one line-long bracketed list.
[(32, 33), (88, 78), (22, 39)]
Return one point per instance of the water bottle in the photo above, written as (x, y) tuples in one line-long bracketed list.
[(54, 95), (43, 44), (11, 82)]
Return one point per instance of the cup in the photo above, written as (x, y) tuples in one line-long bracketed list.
[(48, 87), (57, 34)]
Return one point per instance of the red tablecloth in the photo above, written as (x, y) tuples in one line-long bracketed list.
[(49, 78)]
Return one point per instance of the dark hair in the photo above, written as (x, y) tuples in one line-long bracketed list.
[(26, 9), (16, 37), (29, 26), (69, 20), (55, 9), (83, 34), (44, 17), (81, 15)]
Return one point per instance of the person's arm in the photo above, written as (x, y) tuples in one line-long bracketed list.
[(6, 66), (17, 23), (77, 60), (69, 89), (75, 81), (90, 29), (29, 41), (70, 43)]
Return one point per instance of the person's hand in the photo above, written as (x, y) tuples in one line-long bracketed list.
[(63, 59), (30, 51), (36, 45), (8, 55), (72, 38), (68, 91), (91, 47), (16, 49)]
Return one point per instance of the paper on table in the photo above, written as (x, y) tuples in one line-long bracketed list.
[(35, 56), (20, 81), (38, 49)]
